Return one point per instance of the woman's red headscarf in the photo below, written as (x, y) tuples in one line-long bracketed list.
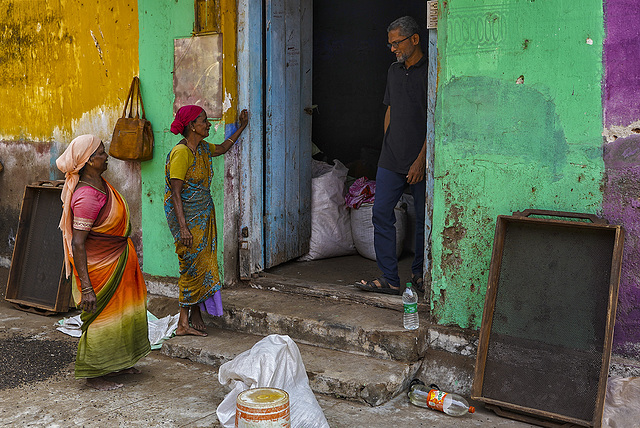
[(185, 115)]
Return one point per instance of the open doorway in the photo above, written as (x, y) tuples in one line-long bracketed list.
[(350, 62)]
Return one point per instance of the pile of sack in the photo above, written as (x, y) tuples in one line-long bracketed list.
[(341, 219)]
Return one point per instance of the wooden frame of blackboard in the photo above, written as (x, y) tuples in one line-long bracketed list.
[(557, 220), (37, 282)]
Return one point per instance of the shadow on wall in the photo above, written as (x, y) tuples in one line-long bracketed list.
[(491, 116), (621, 205)]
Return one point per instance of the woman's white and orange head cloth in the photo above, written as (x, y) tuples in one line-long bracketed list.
[(71, 162)]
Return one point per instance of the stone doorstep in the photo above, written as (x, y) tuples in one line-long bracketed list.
[(339, 374), (332, 324), (345, 293)]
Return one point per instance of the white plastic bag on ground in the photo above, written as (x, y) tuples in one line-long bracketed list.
[(362, 229), (621, 408), (159, 329), (330, 224), (273, 362)]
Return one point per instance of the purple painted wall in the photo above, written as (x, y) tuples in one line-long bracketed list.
[(622, 62), (621, 199)]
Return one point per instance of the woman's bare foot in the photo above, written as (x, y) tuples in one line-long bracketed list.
[(195, 318), (184, 329), (101, 384), (189, 331)]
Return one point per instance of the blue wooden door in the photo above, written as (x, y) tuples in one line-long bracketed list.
[(287, 128)]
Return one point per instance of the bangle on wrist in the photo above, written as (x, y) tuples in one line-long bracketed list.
[(86, 290), (229, 139)]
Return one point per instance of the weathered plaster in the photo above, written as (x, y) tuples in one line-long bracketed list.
[(66, 69), (621, 105), (52, 71), (622, 79), (518, 125), (621, 205), (160, 24), (24, 163)]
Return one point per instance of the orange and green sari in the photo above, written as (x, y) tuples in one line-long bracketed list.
[(115, 336)]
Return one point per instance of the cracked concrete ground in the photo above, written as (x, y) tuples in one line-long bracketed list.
[(173, 392)]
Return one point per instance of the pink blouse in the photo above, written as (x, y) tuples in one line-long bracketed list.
[(86, 203)]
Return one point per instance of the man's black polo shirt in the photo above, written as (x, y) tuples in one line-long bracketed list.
[(406, 93)]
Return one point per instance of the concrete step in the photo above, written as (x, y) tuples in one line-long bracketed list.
[(339, 374), (332, 324), (343, 292)]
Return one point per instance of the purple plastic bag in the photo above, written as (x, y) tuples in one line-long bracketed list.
[(361, 191)]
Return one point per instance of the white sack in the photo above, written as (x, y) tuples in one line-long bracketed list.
[(362, 229), (273, 362), (330, 223), (621, 408)]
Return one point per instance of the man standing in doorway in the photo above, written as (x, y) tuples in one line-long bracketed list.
[(403, 157)]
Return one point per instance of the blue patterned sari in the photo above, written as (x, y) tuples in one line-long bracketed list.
[(199, 276)]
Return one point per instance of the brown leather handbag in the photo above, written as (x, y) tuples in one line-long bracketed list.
[(132, 138)]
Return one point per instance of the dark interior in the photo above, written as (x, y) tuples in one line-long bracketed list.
[(350, 62)]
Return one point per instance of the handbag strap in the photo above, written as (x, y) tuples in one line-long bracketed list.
[(134, 91), (140, 99), (129, 100)]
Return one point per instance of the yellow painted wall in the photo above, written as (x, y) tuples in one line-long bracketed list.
[(229, 76), (66, 66)]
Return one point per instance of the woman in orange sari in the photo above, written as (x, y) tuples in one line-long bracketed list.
[(107, 281)]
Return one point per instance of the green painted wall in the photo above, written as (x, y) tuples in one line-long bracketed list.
[(160, 24), (504, 146)]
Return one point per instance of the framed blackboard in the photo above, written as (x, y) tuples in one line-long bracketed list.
[(547, 327), (36, 277)]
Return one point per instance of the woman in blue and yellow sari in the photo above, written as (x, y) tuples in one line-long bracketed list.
[(107, 281), (191, 216)]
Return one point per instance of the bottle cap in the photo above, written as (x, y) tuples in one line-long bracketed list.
[(415, 382), (472, 409)]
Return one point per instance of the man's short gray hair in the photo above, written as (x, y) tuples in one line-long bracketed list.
[(407, 26)]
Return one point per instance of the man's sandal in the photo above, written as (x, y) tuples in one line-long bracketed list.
[(382, 287), (417, 282)]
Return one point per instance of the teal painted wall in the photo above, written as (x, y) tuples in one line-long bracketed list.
[(502, 145), (161, 23)]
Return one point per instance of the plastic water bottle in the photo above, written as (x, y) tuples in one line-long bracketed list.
[(410, 303), (431, 397)]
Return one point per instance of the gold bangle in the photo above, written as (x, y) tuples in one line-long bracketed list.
[(229, 139), (86, 290)]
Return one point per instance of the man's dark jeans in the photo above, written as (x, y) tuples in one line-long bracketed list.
[(389, 188)]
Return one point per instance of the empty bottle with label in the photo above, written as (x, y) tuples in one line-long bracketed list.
[(432, 398), (410, 303)]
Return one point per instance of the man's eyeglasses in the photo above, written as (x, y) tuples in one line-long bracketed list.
[(395, 44)]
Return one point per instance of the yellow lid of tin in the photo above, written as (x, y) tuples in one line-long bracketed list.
[(262, 398)]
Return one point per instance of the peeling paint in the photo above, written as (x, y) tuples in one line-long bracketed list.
[(451, 237), (51, 72), (99, 121), (621, 206), (614, 132), (95, 41), (503, 145), (226, 104)]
